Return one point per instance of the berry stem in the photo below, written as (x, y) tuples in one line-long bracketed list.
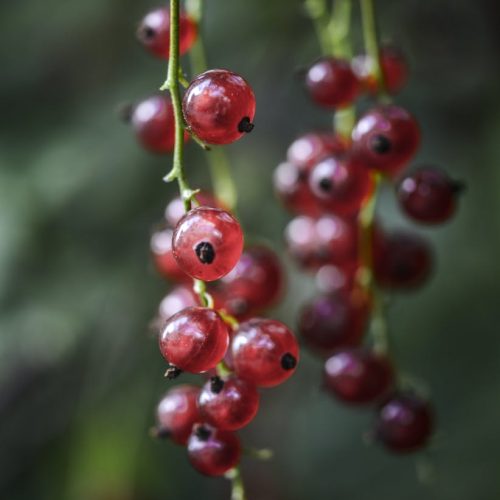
[(317, 10), (237, 485)]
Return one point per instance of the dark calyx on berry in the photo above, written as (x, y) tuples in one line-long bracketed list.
[(288, 361), (245, 125), (203, 433), (146, 33), (172, 373), (381, 144), (205, 252), (161, 433), (216, 384), (325, 184)]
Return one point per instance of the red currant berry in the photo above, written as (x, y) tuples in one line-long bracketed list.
[(385, 139), (428, 195), (176, 300), (154, 32), (194, 340), (404, 423), (219, 106), (213, 452), (332, 279), (328, 240), (340, 184), (161, 249), (332, 322), (207, 243), (265, 352), (358, 376), (332, 83), (177, 412), (255, 283), (175, 209), (228, 404), (309, 149), (401, 260)]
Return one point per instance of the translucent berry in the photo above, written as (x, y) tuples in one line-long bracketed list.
[(332, 83), (428, 195), (219, 106), (255, 283), (265, 352), (358, 376), (332, 279), (194, 340), (329, 239), (207, 243), (340, 184), (177, 412), (386, 138), (229, 403), (176, 300), (401, 260), (309, 149), (175, 209), (161, 249), (154, 32), (335, 321), (404, 423)]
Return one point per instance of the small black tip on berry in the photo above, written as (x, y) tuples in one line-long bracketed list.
[(172, 373), (458, 187), (288, 361), (245, 125), (380, 144), (145, 33), (216, 384), (203, 433), (160, 433), (125, 111), (325, 184), (205, 252)]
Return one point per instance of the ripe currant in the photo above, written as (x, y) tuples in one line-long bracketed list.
[(332, 279), (161, 249), (207, 243), (213, 452), (309, 149), (174, 211), (194, 340), (219, 106), (176, 300), (229, 403), (264, 352)]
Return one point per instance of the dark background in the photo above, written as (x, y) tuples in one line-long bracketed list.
[(79, 372)]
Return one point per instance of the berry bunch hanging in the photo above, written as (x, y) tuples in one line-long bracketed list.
[(331, 181), (210, 323)]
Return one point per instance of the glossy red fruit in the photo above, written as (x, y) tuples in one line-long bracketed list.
[(332, 279), (177, 412), (154, 32), (219, 106), (255, 283), (358, 376), (161, 249), (207, 243), (404, 423), (394, 69), (175, 209), (386, 139), (332, 83), (340, 184), (332, 322), (228, 404), (309, 149), (176, 300), (329, 239), (265, 352), (194, 340), (428, 195), (213, 452), (402, 260)]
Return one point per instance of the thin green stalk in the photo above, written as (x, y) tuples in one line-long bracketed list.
[(318, 11), (237, 485)]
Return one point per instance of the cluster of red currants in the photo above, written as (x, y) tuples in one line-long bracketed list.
[(330, 182), (200, 332)]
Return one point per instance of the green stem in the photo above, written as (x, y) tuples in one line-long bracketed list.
[(237, 485), (339, 28), (318, 12)]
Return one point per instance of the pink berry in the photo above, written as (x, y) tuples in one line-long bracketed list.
[(161, 249), (176, 300), (175, 209)]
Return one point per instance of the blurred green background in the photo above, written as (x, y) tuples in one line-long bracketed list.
[(79, 371)]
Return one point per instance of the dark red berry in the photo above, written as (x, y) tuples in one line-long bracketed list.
[(213, 452), (229, 403), (332, 279), (177, 412), (358, 376), (194, 340), (309, 149), (207, 243), (154, 32), (175, 209), (385, 139), (340, 184), (265, 352), (219, 106), (176, 300), (428, 195), (255, 283), (401, 260), (161, 249), (331, 322), (330, 239), (332, 83), (404, 423)]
